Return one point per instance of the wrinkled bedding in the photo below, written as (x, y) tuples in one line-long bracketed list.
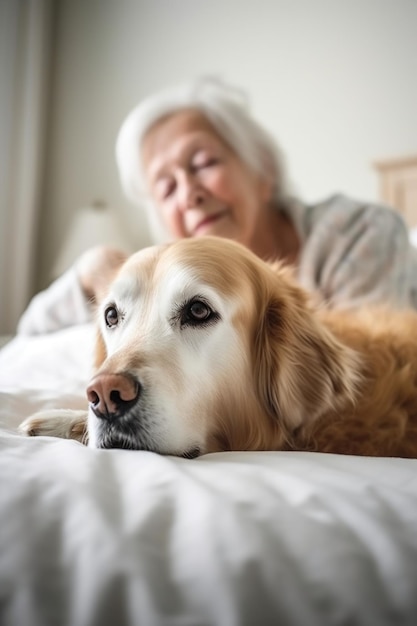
[(98, 537)]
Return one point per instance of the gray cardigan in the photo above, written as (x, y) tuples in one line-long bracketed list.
[(354, 253)]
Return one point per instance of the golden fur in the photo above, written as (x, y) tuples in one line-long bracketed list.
[(303, 377)]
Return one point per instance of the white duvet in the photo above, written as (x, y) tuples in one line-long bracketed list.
[(97, 537)]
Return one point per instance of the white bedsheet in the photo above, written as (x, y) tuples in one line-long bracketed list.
[(97, 537)]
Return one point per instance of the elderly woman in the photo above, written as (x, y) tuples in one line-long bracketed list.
[(201, 165)]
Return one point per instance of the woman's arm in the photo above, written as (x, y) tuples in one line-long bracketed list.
[(70, 299)]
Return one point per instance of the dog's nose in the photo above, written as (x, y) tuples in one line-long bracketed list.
[(111, 395)]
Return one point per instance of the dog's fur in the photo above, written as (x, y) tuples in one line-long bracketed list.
[(265, 371)]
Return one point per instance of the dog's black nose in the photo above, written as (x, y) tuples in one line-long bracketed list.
[(112, 395)]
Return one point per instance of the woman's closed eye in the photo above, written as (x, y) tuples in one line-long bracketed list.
[(166, 185), (164, 188), (203, 160)]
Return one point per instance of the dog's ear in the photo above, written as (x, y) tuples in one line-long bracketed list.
[(100, 352), (102, 264), (301, 369)]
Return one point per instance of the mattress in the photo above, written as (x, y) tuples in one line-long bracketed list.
[(114, 537)]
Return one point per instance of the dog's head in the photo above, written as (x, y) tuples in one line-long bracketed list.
[(204, 347)]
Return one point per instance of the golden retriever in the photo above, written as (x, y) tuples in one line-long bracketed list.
[(203, 347)]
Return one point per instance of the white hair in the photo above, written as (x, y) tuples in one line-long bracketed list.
[(226, 108)]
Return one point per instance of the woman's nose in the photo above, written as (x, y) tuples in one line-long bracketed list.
[(191, 194)]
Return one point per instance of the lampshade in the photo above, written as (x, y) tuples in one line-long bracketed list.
[(91, 226)]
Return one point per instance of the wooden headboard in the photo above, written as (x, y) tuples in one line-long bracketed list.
[(398, 186)]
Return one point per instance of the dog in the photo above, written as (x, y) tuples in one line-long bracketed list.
[(203, 347)]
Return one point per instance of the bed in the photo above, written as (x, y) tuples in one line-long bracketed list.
[(97, 537)]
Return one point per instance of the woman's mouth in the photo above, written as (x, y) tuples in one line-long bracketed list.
[(206, 223)]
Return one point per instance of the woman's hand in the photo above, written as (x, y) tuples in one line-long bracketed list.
[(96, 268)]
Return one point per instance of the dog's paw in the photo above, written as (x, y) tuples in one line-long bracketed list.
[(62, 423)]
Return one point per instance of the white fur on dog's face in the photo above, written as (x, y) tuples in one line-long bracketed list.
[(181, 365)]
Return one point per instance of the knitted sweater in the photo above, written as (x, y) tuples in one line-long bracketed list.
[(355, 253), (352, 254)]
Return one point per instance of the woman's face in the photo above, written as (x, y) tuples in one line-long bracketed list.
[(199, 185)]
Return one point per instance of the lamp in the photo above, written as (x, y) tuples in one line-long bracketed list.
[(91, 225)]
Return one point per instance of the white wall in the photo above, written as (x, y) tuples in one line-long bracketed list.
[(334, 80)]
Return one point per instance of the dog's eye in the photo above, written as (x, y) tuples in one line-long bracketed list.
[(197, 312), (111, 316)]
